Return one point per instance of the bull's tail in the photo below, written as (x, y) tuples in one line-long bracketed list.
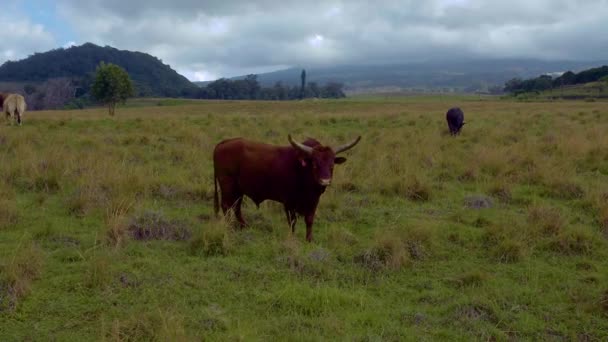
[(216, 201)]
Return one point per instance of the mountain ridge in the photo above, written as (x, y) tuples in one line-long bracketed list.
[(457, 75)]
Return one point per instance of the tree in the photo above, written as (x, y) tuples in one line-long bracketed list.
[(112, 85), (303, 86), (513, 85)]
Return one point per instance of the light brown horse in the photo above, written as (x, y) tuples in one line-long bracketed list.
[(13, 104)]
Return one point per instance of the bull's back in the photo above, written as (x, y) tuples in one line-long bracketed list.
[(240, 154), (260, 170), (226, 155), (455, 115)]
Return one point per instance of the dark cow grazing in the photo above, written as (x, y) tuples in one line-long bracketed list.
[(295, 175), (455, 118)]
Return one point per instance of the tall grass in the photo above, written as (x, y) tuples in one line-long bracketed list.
[(127, 246)]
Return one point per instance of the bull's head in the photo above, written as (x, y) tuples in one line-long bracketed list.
[(322, 158)]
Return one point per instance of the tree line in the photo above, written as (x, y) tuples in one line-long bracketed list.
[(81, 92), (545, 82), (250, 89)]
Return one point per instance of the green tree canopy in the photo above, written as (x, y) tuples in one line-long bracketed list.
[(112, 85)]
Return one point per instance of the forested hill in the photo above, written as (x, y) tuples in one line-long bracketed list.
[(150, 75)]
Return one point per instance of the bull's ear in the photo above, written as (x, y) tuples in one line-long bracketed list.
[(339, 160)]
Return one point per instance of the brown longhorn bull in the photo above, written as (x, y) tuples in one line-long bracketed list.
[(295, 175)]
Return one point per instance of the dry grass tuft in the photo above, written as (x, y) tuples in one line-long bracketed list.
[(473, 278), (17, 275), (99, 272), (505, 243), (153, 225), (575, 240), (394, 249), (565, 189), (501, 191), (152, 325), (603, 220), (509, 251), (604, 302), (388, 251), (9, 214), (547, 220), (214, 239), (340, 236), (417, 189), (116, 224)]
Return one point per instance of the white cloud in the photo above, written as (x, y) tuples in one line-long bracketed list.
[(20, 38)]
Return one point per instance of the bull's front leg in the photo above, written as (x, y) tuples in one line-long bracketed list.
[(292, 218), (309, 219)]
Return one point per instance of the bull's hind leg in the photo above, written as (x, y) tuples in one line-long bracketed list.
[(8, 118), (232, 198), (238, 213)]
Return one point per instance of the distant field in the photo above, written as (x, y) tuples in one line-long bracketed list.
[(589, 91), (107, 229)]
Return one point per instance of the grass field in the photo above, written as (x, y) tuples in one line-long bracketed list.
[(107, 229)]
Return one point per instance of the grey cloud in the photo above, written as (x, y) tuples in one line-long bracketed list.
[(226, 38)]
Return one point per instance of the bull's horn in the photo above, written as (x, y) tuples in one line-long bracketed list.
[(348, 146), (298, 146)]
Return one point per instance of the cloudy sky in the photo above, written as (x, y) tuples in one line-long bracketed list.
[(207, 39)]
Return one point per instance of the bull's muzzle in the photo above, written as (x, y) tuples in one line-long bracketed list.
[(325, 182)]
